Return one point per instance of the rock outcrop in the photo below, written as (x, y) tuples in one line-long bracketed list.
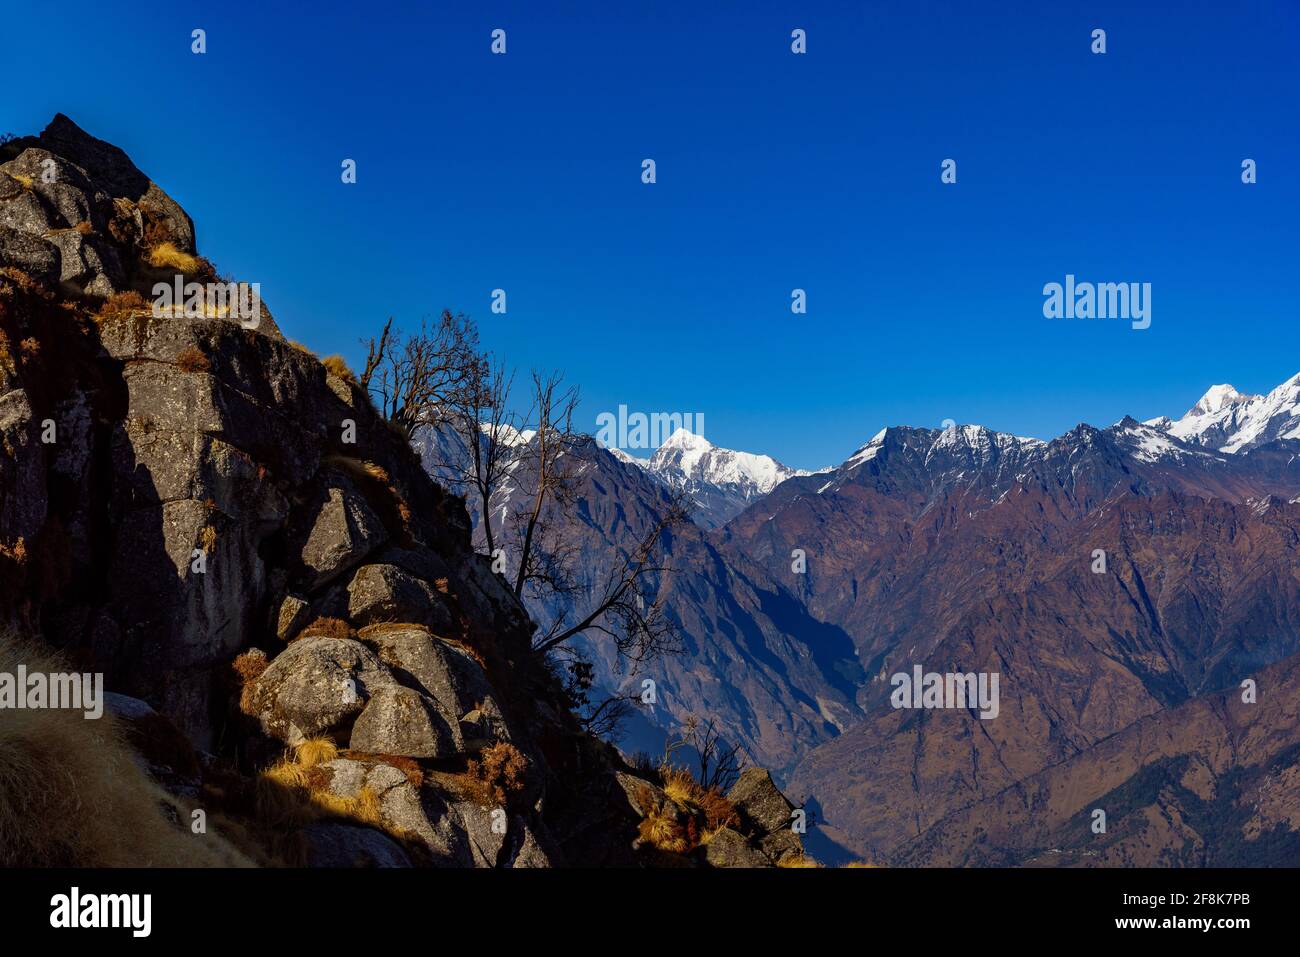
[(259, 565)]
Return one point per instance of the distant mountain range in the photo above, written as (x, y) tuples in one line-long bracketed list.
[(965, 549)]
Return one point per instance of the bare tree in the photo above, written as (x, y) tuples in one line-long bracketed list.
[(603, 719), (541, 562), (488, 429), (636, 620), (719, 765), (415, 380)]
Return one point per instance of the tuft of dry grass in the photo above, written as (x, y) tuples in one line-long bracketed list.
[(192, 360), (660, 831), (84, 228), (862, 864), (208, 539), (683, 789), (26, 181), (291, 793), (797, 860), (72, 795), (316, 751), (327, 628), (337, 366), (165, 255), (122, 304)]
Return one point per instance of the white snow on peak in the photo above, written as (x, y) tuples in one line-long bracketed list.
[(687, 458), (686, 439), (867, 452), (626, 458), (1230, 421), (1216, 398)]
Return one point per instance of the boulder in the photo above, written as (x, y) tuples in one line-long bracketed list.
[(291, 616), (760, 803), (344, 531), (386, 593), (417, 813), (35, 256), (21, 209), (442, 672), (728, 848), (781, 845), (89, 265), (401, 721), (316, 685), (331, 844)]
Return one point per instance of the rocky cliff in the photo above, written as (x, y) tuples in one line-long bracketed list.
[(302, 639)]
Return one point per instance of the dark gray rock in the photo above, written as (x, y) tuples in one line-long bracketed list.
[(346, 845), (345, 530), (315, 685), (728, 848), (401, 721), (760, 803), (386, 593), (37, 257)]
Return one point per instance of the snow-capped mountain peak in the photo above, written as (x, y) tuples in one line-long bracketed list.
[(720, 481), (1230, 421), (1217, 398)]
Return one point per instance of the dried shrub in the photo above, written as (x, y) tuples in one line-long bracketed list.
[(248, 667), (84, 228), (72, 794), (192, 360), (497, 775), (120, 305)]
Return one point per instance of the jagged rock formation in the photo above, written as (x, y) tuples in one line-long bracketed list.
[(234, 536)]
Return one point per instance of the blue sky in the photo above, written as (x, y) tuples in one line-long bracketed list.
[(775, 171)]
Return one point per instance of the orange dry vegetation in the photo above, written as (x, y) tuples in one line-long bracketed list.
[(192, 360), (498, 774)]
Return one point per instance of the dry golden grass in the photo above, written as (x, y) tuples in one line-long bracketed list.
[(208, 539), (660, 831), (84, 228), (862, 864), (72, 795), (316, 751), (337, 366), (684, 790), (166, 256), (293, 793), (323, 627), (26, 181), (797, 860)]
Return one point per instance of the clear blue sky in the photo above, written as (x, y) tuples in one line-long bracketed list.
[(775, 171)]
